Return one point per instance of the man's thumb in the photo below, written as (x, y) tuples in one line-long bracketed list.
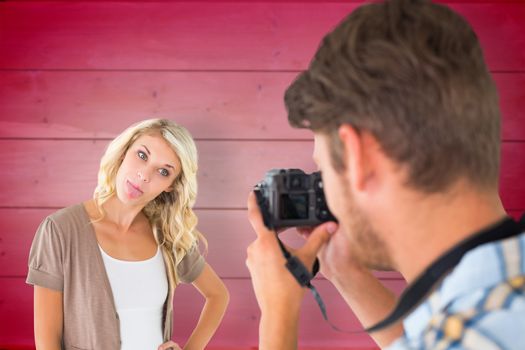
[(319, 236)]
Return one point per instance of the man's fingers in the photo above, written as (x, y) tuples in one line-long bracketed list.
[(319, 236), (255, 216)]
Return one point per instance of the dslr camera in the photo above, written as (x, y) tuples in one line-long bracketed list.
[(292, 198)]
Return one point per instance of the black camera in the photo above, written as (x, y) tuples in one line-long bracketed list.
[(292, 198)]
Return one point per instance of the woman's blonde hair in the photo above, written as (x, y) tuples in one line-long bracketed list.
[(171, 215)]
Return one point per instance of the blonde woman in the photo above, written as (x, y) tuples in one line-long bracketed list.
[(104, 271)]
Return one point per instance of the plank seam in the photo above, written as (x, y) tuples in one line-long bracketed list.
[(176, 70)]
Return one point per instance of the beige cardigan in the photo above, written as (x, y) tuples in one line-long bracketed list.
[(65, 256)]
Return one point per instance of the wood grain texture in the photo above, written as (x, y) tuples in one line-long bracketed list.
[(48, 173), (100, 104), (238, 329), (208, 36), (212, 105)]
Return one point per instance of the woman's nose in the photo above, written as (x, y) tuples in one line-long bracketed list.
[(142, 176)]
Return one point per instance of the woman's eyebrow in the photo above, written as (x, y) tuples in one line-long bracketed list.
[(147, 150)]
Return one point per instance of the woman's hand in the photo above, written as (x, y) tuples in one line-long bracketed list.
[(169, 345)]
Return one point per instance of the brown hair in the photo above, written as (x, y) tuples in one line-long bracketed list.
[(412, 73)]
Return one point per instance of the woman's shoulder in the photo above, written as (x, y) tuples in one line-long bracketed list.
[(70, 213), (69, 219)]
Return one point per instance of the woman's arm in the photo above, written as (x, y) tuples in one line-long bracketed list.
[(49, 318), (217, 298)]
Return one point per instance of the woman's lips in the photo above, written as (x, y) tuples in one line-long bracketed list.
[(133, 190)]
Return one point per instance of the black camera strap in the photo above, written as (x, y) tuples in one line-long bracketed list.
[(415, 293), (304, 278)]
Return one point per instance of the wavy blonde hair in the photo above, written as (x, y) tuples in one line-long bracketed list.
[(170, 214)]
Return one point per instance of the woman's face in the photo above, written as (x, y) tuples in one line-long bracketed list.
[(150, 166)]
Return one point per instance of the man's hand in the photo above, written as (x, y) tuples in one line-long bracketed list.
[(278, 294), (363, 292), (335, 258)]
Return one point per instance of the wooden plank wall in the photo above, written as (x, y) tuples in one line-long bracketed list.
[(74, 74)]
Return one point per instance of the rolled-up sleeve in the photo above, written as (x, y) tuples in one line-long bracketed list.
[(191, 266), (46, 258)]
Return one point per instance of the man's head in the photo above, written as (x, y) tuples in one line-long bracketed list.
[(408, 78)]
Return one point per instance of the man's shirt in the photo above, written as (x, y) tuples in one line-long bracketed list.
[(479, 305)]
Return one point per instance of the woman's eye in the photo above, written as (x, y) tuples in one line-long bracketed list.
[(142, 155), (164, 172)]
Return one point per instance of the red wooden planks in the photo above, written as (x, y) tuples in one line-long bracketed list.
[(516, 214), (216, 105), (512, 173), (208, 36), (60, 173), (100, 104)]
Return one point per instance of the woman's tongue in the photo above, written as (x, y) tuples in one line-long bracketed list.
[(132, 191)]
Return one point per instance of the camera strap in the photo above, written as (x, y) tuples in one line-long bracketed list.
[(416, 292), (304, 278), (428, 280), (296, 267)]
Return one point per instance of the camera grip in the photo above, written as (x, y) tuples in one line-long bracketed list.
[(263, 207)]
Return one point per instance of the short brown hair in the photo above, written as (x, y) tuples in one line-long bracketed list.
[(412, 73)]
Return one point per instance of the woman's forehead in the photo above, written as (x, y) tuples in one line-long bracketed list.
[(158, 146)]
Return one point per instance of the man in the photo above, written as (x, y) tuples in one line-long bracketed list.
[(407, 135)]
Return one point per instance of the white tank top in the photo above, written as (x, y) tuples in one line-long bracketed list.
[(139, 289)]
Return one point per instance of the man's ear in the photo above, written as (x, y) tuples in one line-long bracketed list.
[(355, 156)]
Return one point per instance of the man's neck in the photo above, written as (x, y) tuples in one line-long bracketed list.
[(427, 227)]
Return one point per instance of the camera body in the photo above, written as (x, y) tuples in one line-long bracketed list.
[(292, 198)]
